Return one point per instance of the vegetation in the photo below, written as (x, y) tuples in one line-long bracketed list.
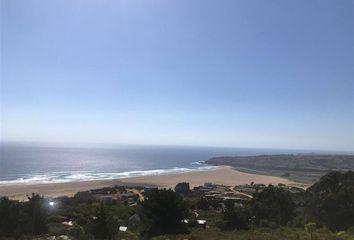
[(259, 233), (273, 204), (9, 220), (310, 228), (236, 218), (36, 210), (324, 211), (23, 218), (331, 200), (163, 212)]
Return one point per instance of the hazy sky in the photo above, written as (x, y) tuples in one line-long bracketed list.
[(250, 73)]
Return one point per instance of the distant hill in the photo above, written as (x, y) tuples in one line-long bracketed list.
[(299, 167)]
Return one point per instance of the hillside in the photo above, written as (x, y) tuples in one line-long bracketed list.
[(299, 167)]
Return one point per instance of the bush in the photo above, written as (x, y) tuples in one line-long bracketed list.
[(331, 200), (203, 204), (9, 216), (76, 232), (236, 218), (162, 212), (273, 204)]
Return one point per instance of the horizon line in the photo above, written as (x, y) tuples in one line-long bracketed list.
[(82, 144)]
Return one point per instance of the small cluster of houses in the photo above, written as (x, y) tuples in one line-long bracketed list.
[(218, 192), (127, 198), (114, 195), (250, 189), (133, 221)]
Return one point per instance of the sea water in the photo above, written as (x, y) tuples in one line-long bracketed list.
[(54, 163)]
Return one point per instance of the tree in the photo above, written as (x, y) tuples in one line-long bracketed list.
[(182, 188), (331, 200), (104, 225), (162, 212), (77, 232), (203, 204), (36, 213), (273, 204), (236, 218), (310, 228), (99, 226), (9, 216)]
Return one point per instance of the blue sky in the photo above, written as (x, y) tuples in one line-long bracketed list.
[(272, 74)]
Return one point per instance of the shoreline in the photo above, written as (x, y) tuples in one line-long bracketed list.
[(223, 175)]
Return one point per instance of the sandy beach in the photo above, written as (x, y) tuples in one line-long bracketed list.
[(222, 175)]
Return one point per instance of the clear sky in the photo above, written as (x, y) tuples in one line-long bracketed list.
[(241, 73)]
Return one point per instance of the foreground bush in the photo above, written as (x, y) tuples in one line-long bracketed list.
[(273, 204), (162, 212), (331, 200), (282, 233)]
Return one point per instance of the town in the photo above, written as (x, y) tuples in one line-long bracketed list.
[(210, 211), (208, 197)]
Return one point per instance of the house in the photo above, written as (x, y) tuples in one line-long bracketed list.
[(106, 199), (123, 228), (186, 221), (69, 223), (202, 223), (208, 184)]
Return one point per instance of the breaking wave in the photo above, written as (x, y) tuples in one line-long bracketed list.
[(62, 177)]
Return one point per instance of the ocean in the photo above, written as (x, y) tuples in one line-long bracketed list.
[(50, 163)]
